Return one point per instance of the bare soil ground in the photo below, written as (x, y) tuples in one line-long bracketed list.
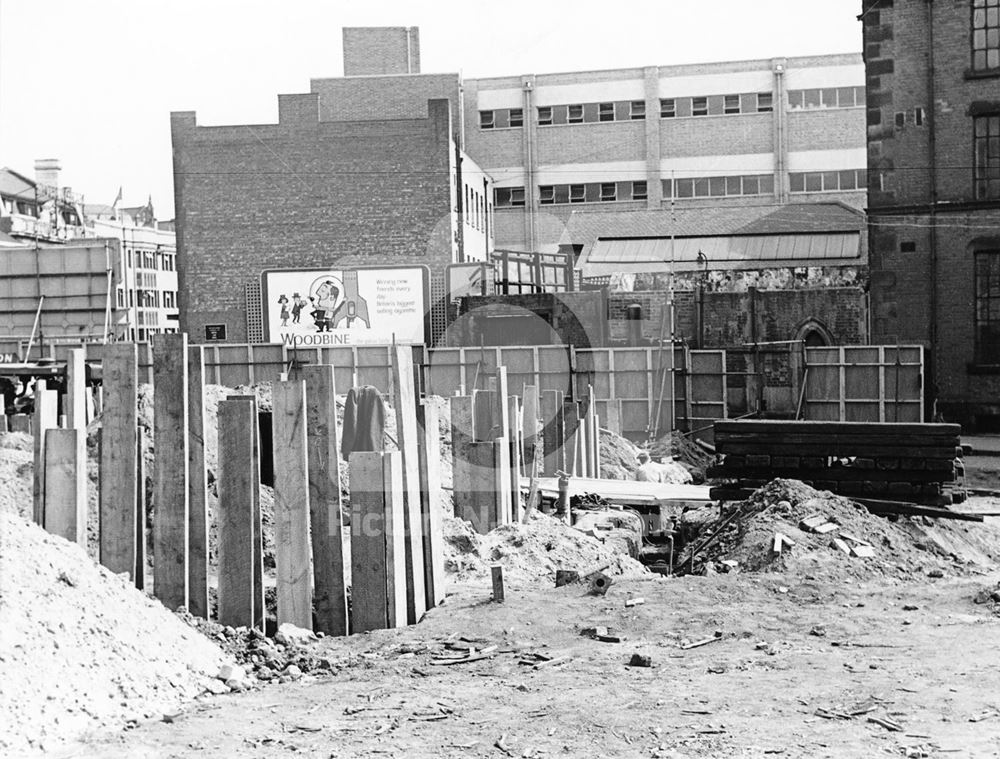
[(920, 653)]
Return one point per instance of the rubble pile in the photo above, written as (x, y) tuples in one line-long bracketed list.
[(687, 453), (530, 552), (16, 468), (81, 649), (824, 534)]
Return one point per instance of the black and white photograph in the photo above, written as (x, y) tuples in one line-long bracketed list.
[(561, 380)]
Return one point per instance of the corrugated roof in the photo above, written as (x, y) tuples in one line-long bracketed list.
[(655, 254)]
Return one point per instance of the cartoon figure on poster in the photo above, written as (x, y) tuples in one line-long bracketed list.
[(332, 302)]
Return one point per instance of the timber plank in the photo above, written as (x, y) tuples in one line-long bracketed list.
[(170, 469), (405, 404), (119, 467), (238, 580), (553, 432), (462, 421), (430, 500), (840, 474), (291, 504), (833, 447), (46, 417), (327, 525), (61, 491), (197, 486)]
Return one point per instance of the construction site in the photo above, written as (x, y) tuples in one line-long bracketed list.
[(383, 551)]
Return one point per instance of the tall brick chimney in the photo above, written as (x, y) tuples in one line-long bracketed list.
[(381, 50), (47, 171)]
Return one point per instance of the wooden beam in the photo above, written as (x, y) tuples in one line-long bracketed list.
[(170, 469), (501, 415), (119, 467), (61, 492), (139, 572), (197, 486), (461, 438), (571, 420), (513, 416), (404, 402), (430, 502), (46, 418), (530, 410), (378, 563), (485, 420), (327, 525), (553, 432), (291, 504), (236, 487)]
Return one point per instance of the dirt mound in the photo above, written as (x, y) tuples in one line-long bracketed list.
[(899, 548), (619, 460), (16, 469), (530, 552), (81, 649), (687, 453)]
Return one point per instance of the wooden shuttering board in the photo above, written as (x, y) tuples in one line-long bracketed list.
[(327, 527), (239, 580), (430, 503), (170, 470), (46, 417), (405, 405), (378, 563), (62, 496), (291, 505), (197, 486), (462, 422), (119, 464), (553, 432), (864, 384)]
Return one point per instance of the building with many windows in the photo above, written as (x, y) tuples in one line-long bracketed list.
[(933, 92), (764, 132)]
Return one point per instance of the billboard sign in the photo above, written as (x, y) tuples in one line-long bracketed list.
[(321, 307)]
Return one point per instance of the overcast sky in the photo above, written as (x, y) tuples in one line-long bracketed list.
[(92, 82)]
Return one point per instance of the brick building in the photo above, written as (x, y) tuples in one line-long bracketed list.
[(933, 81), (333, 183)]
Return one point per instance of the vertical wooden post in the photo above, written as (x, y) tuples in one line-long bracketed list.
[(119, 466), (529, 425), (378, 563), (327, 525), (238, 580), (553, 432), (485, 420), (593, 434), (3, 421), (430, 502), (404, 397), (571, 420), (76, 418), (139, 571), (513, 415), (170, 469), (256, 521), (197, 486), (503, 506), (462, 437), (291, 505), (46, 418), (61, 492), (501, 411), (488, 493)]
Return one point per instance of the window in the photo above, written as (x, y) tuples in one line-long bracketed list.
[(796, 99), (639, 191), (828, 181), (765, 102), (609, 192), (987, 156), (575, 114), (637, 109), (505, 197), (668, 108), (516, 117), (731, 104), (486, 119), (985, 35), (544, 115), (577, 193), (699, 106), (546, 194), (987, 317), (606, 112)]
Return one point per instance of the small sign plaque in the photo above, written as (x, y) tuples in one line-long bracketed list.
[(215, 333)]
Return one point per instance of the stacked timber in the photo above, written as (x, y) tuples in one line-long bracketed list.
[(902, 462)]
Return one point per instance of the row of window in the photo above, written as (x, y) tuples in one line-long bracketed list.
[(704, 105), (987, 289), (150, 259), (476, 209), (592, 192), (147, 298), (986, 141), (985, 34), (685, 187)]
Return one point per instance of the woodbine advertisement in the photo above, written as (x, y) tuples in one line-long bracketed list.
[(319, 307)]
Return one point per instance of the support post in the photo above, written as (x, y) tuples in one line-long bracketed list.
[(291, 505), (119, 459), (61, 493), (46, 418), (462, 438), (430, 502), (197, 486), (326, 521), (553, 432)]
